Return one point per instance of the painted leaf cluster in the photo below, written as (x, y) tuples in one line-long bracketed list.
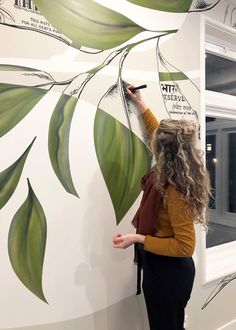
[(88, 23), (123, 159), (27, 242)]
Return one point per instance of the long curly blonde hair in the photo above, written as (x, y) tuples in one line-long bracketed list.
[(180, 163)]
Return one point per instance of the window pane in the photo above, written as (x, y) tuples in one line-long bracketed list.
[(232, 173), (210, 164), (220, 74), (221, 164)]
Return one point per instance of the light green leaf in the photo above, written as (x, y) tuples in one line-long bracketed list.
[(26, 243), (58, 140), (88, 23), (172, 76), (175, 6), (15, 103), (10, 177), (123, 159)]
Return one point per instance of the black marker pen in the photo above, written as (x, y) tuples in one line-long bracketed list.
[(133, 89)]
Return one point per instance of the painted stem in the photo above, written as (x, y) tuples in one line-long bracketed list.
[(105, 63)]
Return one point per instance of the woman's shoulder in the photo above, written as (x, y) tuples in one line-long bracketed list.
[(170, 189), (174, 199), (172, 193)]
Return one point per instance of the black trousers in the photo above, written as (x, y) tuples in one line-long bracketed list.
[(167, 286)]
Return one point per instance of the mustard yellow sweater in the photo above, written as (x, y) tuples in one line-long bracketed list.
[(175, 235)]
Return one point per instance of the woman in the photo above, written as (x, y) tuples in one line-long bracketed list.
[(181, 180)]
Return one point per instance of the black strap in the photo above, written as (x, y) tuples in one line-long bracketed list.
[(138, 261)]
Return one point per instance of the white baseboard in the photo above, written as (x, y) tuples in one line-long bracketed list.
[(228, 326)]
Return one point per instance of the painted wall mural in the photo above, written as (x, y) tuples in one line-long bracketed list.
[(122, 155), (220, 286), (230, 15)]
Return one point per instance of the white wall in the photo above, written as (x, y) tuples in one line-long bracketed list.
[(88, 284)]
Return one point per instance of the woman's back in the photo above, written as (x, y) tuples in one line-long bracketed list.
[(175, 224)]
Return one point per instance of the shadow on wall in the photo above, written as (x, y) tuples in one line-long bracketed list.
[(98, 270)]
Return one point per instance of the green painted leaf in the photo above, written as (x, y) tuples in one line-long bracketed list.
[(26, 243), (123, 159), (88, 23), (172, 76), (16, 102), (175, 6), (58, 140), (10, 177)]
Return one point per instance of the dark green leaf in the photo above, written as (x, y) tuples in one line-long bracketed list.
[(58, 140), (10, 177), (15, 103), (175, 6), (26, 243), (123, 159)]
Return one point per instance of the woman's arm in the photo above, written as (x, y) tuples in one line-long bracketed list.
[(182, 244), (151, 124), (149, 120), (137, 99)]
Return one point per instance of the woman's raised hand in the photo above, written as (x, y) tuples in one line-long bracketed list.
[(137, 99)]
